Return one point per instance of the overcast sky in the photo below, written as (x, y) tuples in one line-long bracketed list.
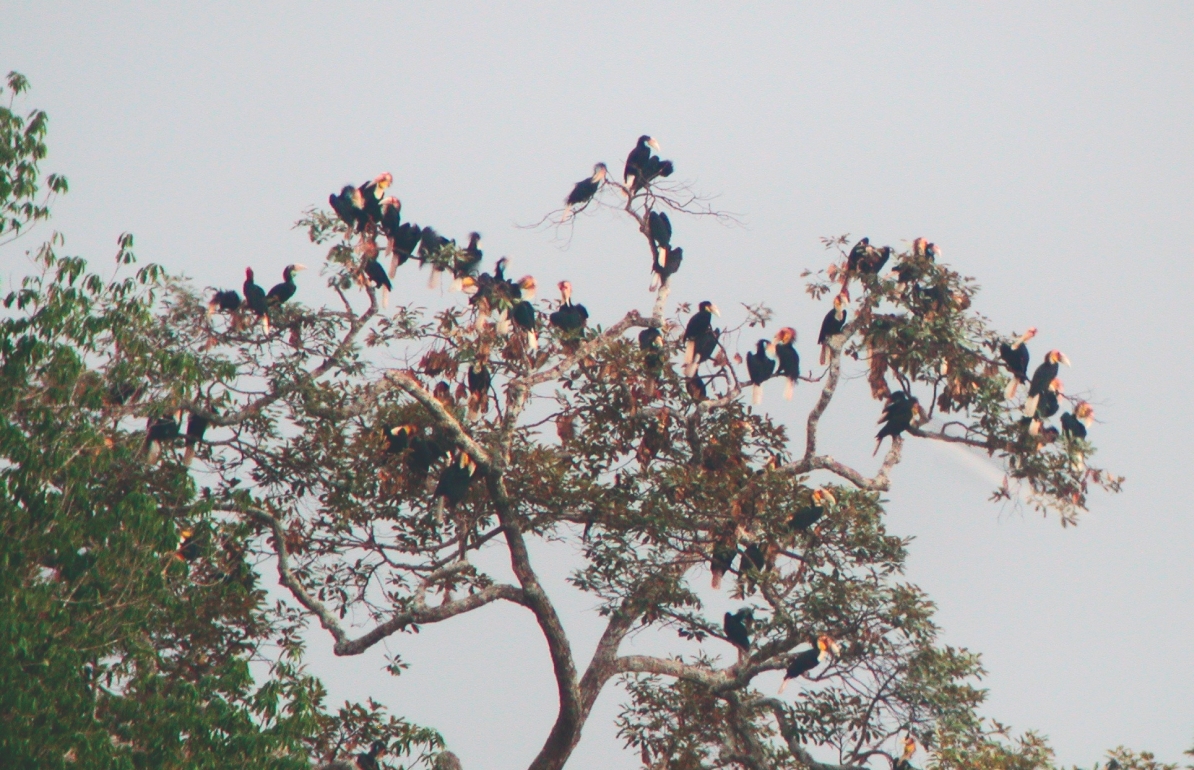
[(1047, 149)]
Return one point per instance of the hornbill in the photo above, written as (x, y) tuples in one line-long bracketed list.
[(157, 430), (737, 627), (402, 244), (1074, 425), (784, 345), (1042, 377), (362, 761), (391, 219), (834, 322), (754, 560), (665, 265), (424, 452), (810, 514), (760, 367), (285, 290), (255, 299), (479, 378), (700, 325), (874, 260), (1047, 405), (227, 301), (349, 206), (371, 195), (453, 484), (442, 392), (377, 276), (569, 318), (1015, 358), (189, 547), (585, 189), (468, 264), (897, 417), (655, 438), (637, 161), (810, 659), (651, 342), (905, 760), (697, 389), (430, 245), (196, 427), (704, 348), (722, 562), (857, 254), (654, 167), (659, 229), (524, 317)]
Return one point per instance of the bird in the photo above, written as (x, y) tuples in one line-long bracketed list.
[(371, 195), (569, 318), (874, 260), (704, 347), (659, 229), (196, 427), (832, 325), (810, 659), (810, 514), (760, 367), (377, 276), (348, 205), (655, 438), (402, 243), (442, 392), (897, 417), (424, 452), (469, 260), (665, 265), (699, 325), (255, 299), (654, 168), (1015, 358), (227, 301), (1074, 424), (479, 378), (753, 563), (1047, 404), (788, 360), (722, 562), (189, 547), (905, 760), (860, 252), (737, 627), (1042, 377), (651, 343), (637, 161), (286, 289), (362, 761), (585, 189), (524, 317), (454, 483), (159, 430), (431, 244), (697, 388)]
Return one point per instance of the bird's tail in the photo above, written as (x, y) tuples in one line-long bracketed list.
[(1035, 427), (656, 281), (533, 341), (789, 388), (211, 308), (1010, 392), (393, 263), (433, 279), (476, 405), (265, 322), (482, 321), (690, 365), (649, 388), (824, 354), (385, 297), (878, 442), (153, 450), (567, 213), (188, 455), (756, 394), (716, 582), (503, 324), (439, 510), (783, 685), (1030, 405), (457, 283)]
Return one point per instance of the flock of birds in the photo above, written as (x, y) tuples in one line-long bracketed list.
[(368, 212)]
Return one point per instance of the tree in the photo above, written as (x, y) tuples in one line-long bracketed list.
[(368, 487)]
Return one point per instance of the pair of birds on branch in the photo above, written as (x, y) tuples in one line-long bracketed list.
[(700, 344), (1044, 390), (739, 625), (256, 300), (642, 167)]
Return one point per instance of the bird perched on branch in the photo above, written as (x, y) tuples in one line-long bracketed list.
[(1074, 424), (788, 360), (637, 162), (584, 190), (905, 760), (286, 289), (360, 206), (196, 428), (363, 761), (454, 483), (700, 325), (478, 389), (832, 325), (255, 299), (760, 367), (159, 430), (1047, 404), (897, 416), (226, 301), (467, 264), (1042, 377), (810, 514), (377, 276), (724, 553), (659, 229), (738, 626), (569, 318), (651, 342), (806, 661), (1015, 358), (424, 452), (665, 265), (402, 242)]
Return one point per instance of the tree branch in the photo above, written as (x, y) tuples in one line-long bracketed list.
[(786, 729)]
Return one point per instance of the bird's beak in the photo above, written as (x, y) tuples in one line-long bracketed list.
[(835, 648), (1064, 359), (298, 268), (653, 144), (713, 309), (771, 348), (828, 496)]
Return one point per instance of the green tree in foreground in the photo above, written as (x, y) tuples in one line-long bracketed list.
[(349, 450)]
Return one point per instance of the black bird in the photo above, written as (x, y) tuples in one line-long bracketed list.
[(1015, 358), (897, 416), (834, 322), (189, 547), (704, 347), (348, 205), (285, 290), (424, 452), (398, 438), (653, 169), (788, 359), (402, 244), (810, 659), (371, 195), (637, 161), (468, 263), (810, 514), (1074, 425), (227, 301), (196, 427), (453, 484), (860, 252), (874, 260), (391, 216), (569, 318), (479, 378), (659, 228), (1047, 404), (585, 189), (651, 342), (255, 299), (760, 367), (431, 244), (1042, 377), (377, 276), (738, 626), (665, 265), (368, 760), (722, 562), (158, 430), (697, 389), (754, 559), (524, 317), (700, 325)]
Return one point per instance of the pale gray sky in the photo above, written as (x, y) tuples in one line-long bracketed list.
[(1046, 148)]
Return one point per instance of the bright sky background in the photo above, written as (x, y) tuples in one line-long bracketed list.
[(1048, 149)]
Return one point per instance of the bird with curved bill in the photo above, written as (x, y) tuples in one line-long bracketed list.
[(806, 661), (787, 359), (637, 161), (699, 326), (584, 190), (760, 367), (738, 626), (1044, 375), (832, 325), (1015, 359)]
